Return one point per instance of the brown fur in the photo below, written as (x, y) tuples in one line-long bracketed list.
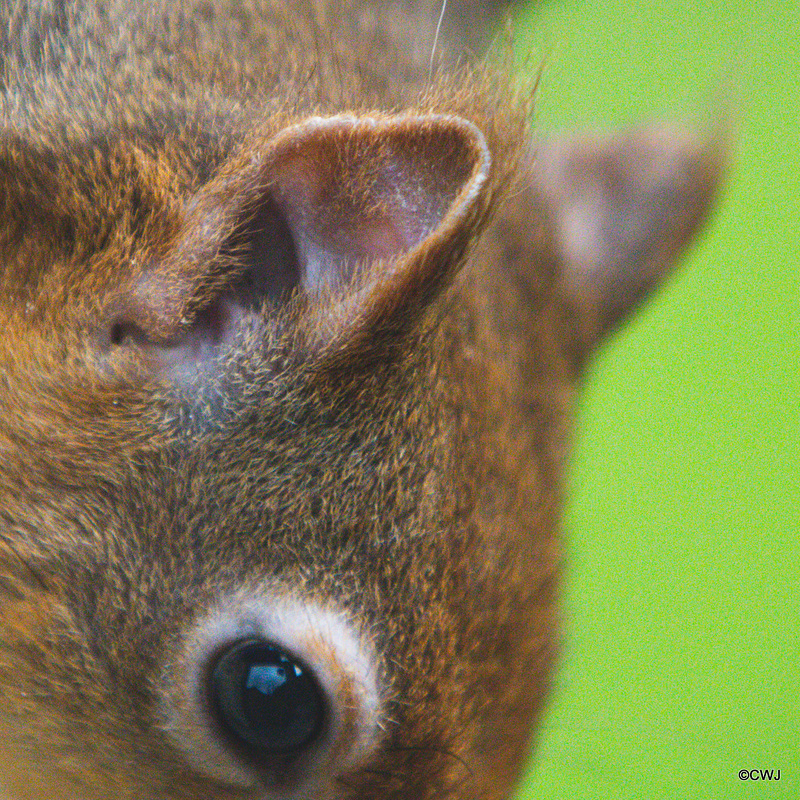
[(400, 463)]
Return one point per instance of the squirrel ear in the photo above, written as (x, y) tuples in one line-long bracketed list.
[(359, 190), (380, 211), (623, 207), (366, 215)]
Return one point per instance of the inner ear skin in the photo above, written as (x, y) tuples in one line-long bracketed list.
[(272, 267)]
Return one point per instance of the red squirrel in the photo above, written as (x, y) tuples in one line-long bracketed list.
[(291, 318)]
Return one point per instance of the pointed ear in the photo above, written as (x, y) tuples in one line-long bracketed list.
[(361, 190), (366, 216), (381, 210), (623, 207)]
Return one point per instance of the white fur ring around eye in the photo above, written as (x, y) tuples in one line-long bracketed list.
[(272, 693)]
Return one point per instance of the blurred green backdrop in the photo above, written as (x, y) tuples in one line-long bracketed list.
[(681, 656)]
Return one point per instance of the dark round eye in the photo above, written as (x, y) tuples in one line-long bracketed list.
[(266, 699)]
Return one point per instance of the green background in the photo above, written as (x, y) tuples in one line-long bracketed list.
[(681, 661)]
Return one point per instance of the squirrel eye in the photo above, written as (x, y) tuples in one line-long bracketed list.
[(265, 699)]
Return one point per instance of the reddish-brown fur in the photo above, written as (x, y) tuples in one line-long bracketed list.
[(390, 447)]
